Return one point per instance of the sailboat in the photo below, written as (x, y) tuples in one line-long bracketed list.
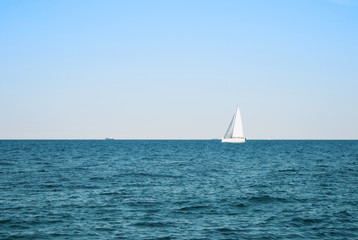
[(234, 133)]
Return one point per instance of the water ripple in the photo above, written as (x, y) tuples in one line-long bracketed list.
[(178, 190)]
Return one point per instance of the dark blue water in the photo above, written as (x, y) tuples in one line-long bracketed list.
[(178, 190)]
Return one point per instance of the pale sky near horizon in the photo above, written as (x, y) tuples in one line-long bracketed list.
[(178, 69)]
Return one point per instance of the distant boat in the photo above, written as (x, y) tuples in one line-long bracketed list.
[(234, 133), (110, 138)]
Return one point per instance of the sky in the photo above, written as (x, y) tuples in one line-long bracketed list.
[(177, 69)]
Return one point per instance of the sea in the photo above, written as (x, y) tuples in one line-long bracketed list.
[(178, 189)]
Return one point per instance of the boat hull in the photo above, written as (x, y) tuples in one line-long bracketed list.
[(233, 140)]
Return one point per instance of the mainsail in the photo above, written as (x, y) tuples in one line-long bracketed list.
[(238, 132)]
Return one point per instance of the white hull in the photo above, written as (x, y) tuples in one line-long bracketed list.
[(233, 140)]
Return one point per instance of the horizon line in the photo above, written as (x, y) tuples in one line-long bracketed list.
[(183, 139)]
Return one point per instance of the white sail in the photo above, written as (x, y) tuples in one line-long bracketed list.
[(230, 129), (235, 133), (238, 131)]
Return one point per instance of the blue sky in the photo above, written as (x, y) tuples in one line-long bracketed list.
[(177, 69)]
